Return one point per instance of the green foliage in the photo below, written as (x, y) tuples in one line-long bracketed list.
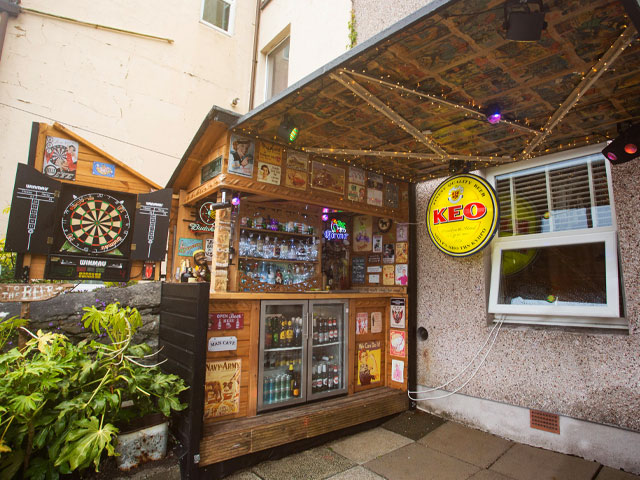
[(120, 284), (60, 402), (8, 330), (353, 34)]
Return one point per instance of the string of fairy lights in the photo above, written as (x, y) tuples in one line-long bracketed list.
[(360, 157)]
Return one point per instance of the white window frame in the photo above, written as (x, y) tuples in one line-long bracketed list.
[(606, 316), (232, 16), (267, 77)]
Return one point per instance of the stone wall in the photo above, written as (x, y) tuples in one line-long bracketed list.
[(62, 314)]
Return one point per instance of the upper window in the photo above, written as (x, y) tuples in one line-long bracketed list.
[(555, 254), (218, 14), (277, 69)]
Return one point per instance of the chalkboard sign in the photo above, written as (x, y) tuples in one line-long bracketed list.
[(357, 270), (211, 169)]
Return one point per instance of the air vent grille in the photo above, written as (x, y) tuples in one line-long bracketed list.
[(549, 422)]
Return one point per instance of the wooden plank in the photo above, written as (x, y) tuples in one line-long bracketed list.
[(239, 437), (29, 292), (254, 354)]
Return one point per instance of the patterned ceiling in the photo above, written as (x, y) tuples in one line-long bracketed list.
[(421, 87)]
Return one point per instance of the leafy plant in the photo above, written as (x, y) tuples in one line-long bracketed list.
[(60, 402), (7, 259), (353, 34)]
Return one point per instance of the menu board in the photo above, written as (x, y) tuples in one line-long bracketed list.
[(358, 270)]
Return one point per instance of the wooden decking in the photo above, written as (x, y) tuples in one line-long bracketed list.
[(233, 438)]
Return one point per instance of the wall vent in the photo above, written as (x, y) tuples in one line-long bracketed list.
[(549, 422)]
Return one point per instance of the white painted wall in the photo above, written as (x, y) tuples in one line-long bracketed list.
[(319, 33), (138, 99)]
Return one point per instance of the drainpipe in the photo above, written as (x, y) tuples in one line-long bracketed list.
[(254, 59), (6, 9), (412, 291)]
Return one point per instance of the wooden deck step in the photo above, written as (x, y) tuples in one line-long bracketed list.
[(224, 440)]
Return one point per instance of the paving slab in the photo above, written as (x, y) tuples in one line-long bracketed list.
[(413, 424), (522, 462), (366, 446), (608, 473), (357, 473), (468, 444), (313, 464), (417, 462), (243, 475), (488, 475)]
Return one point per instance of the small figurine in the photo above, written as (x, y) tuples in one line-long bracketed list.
[(278, 277), (201, 270)]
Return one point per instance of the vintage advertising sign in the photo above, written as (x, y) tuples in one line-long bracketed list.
[(222, 388), (376, 322), (397, 371), (222, 344), (397, 343), (60, 158), (369, 356), (397, 313), (362, 323), (268, 173), (241, 152), (226, 321), (270, 153), (186, 246), (462, 215), (102, 169), (211, 169)]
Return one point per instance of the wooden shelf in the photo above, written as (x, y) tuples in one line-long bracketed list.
[(283, 349), (276, 260), (279, 232)]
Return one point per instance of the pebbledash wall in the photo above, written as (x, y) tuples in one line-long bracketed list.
[(587, 375)]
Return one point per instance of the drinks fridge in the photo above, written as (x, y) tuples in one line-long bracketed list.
[(303, 350)]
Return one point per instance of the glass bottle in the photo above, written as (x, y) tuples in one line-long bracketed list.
[(266, 247), (276, 248), (259, 246), (251, 246), (284, 249), (292, 250), (271, 276)]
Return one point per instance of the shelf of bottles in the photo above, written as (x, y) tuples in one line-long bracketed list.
[(282, 359), (327, 356), (283, 255)]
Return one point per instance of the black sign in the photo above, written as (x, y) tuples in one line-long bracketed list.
[(33, 211), (68, 267), (151, 225), (357, 270), (211, 169)]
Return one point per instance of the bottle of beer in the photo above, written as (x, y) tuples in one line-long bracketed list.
[(336, 377), (283, 333), (315, 331), (314, 378), (295, 383), (321, 330), (325, 378), (268, 336), (335, 330), (289, 333), (275, 331)]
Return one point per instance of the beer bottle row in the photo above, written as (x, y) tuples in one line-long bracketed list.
[(281, 332), (325, 330), (325, 377)]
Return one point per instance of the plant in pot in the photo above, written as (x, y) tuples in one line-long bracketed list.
[(60, 402), (147, 395)]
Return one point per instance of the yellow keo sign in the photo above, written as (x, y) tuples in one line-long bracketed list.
[(462, 215)]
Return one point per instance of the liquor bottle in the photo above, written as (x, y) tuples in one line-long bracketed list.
[(275, 331), (259, 246), (283, 334), (276, 248), (315, 331), (271, 275), (268, 336), (289, 333)]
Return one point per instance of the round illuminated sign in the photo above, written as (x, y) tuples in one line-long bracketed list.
[(462, 215)]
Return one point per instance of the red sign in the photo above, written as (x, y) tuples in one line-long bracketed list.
[(226, 321)]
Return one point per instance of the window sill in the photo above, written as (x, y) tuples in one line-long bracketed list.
[(614, 324), (217, 29)]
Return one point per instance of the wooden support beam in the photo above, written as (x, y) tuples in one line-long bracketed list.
[(349, 83), (601, 66), (434, 98)]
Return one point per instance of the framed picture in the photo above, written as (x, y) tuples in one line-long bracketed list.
[(241, 151), (268, 173), (356, 175), (401, 274), (60, 158), (270, 153), (377, 244), (389, 253), (327, 177), (362, 323), (362, 229)]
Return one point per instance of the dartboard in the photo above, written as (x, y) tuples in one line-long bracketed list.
[(96, 223)]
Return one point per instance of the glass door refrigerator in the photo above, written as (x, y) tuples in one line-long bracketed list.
[(283, 353), (327, 361), (303, 351)]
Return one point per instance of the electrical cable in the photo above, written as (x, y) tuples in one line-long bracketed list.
[(448, 394)]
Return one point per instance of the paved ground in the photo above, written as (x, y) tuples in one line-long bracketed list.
[(415, 445)]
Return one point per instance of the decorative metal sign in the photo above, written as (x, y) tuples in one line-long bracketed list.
[(462, 215), (222, 344), (226, 321)]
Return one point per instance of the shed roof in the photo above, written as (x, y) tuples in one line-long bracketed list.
[(411, 99)]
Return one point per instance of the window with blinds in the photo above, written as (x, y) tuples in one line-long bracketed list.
[(555, 254)]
